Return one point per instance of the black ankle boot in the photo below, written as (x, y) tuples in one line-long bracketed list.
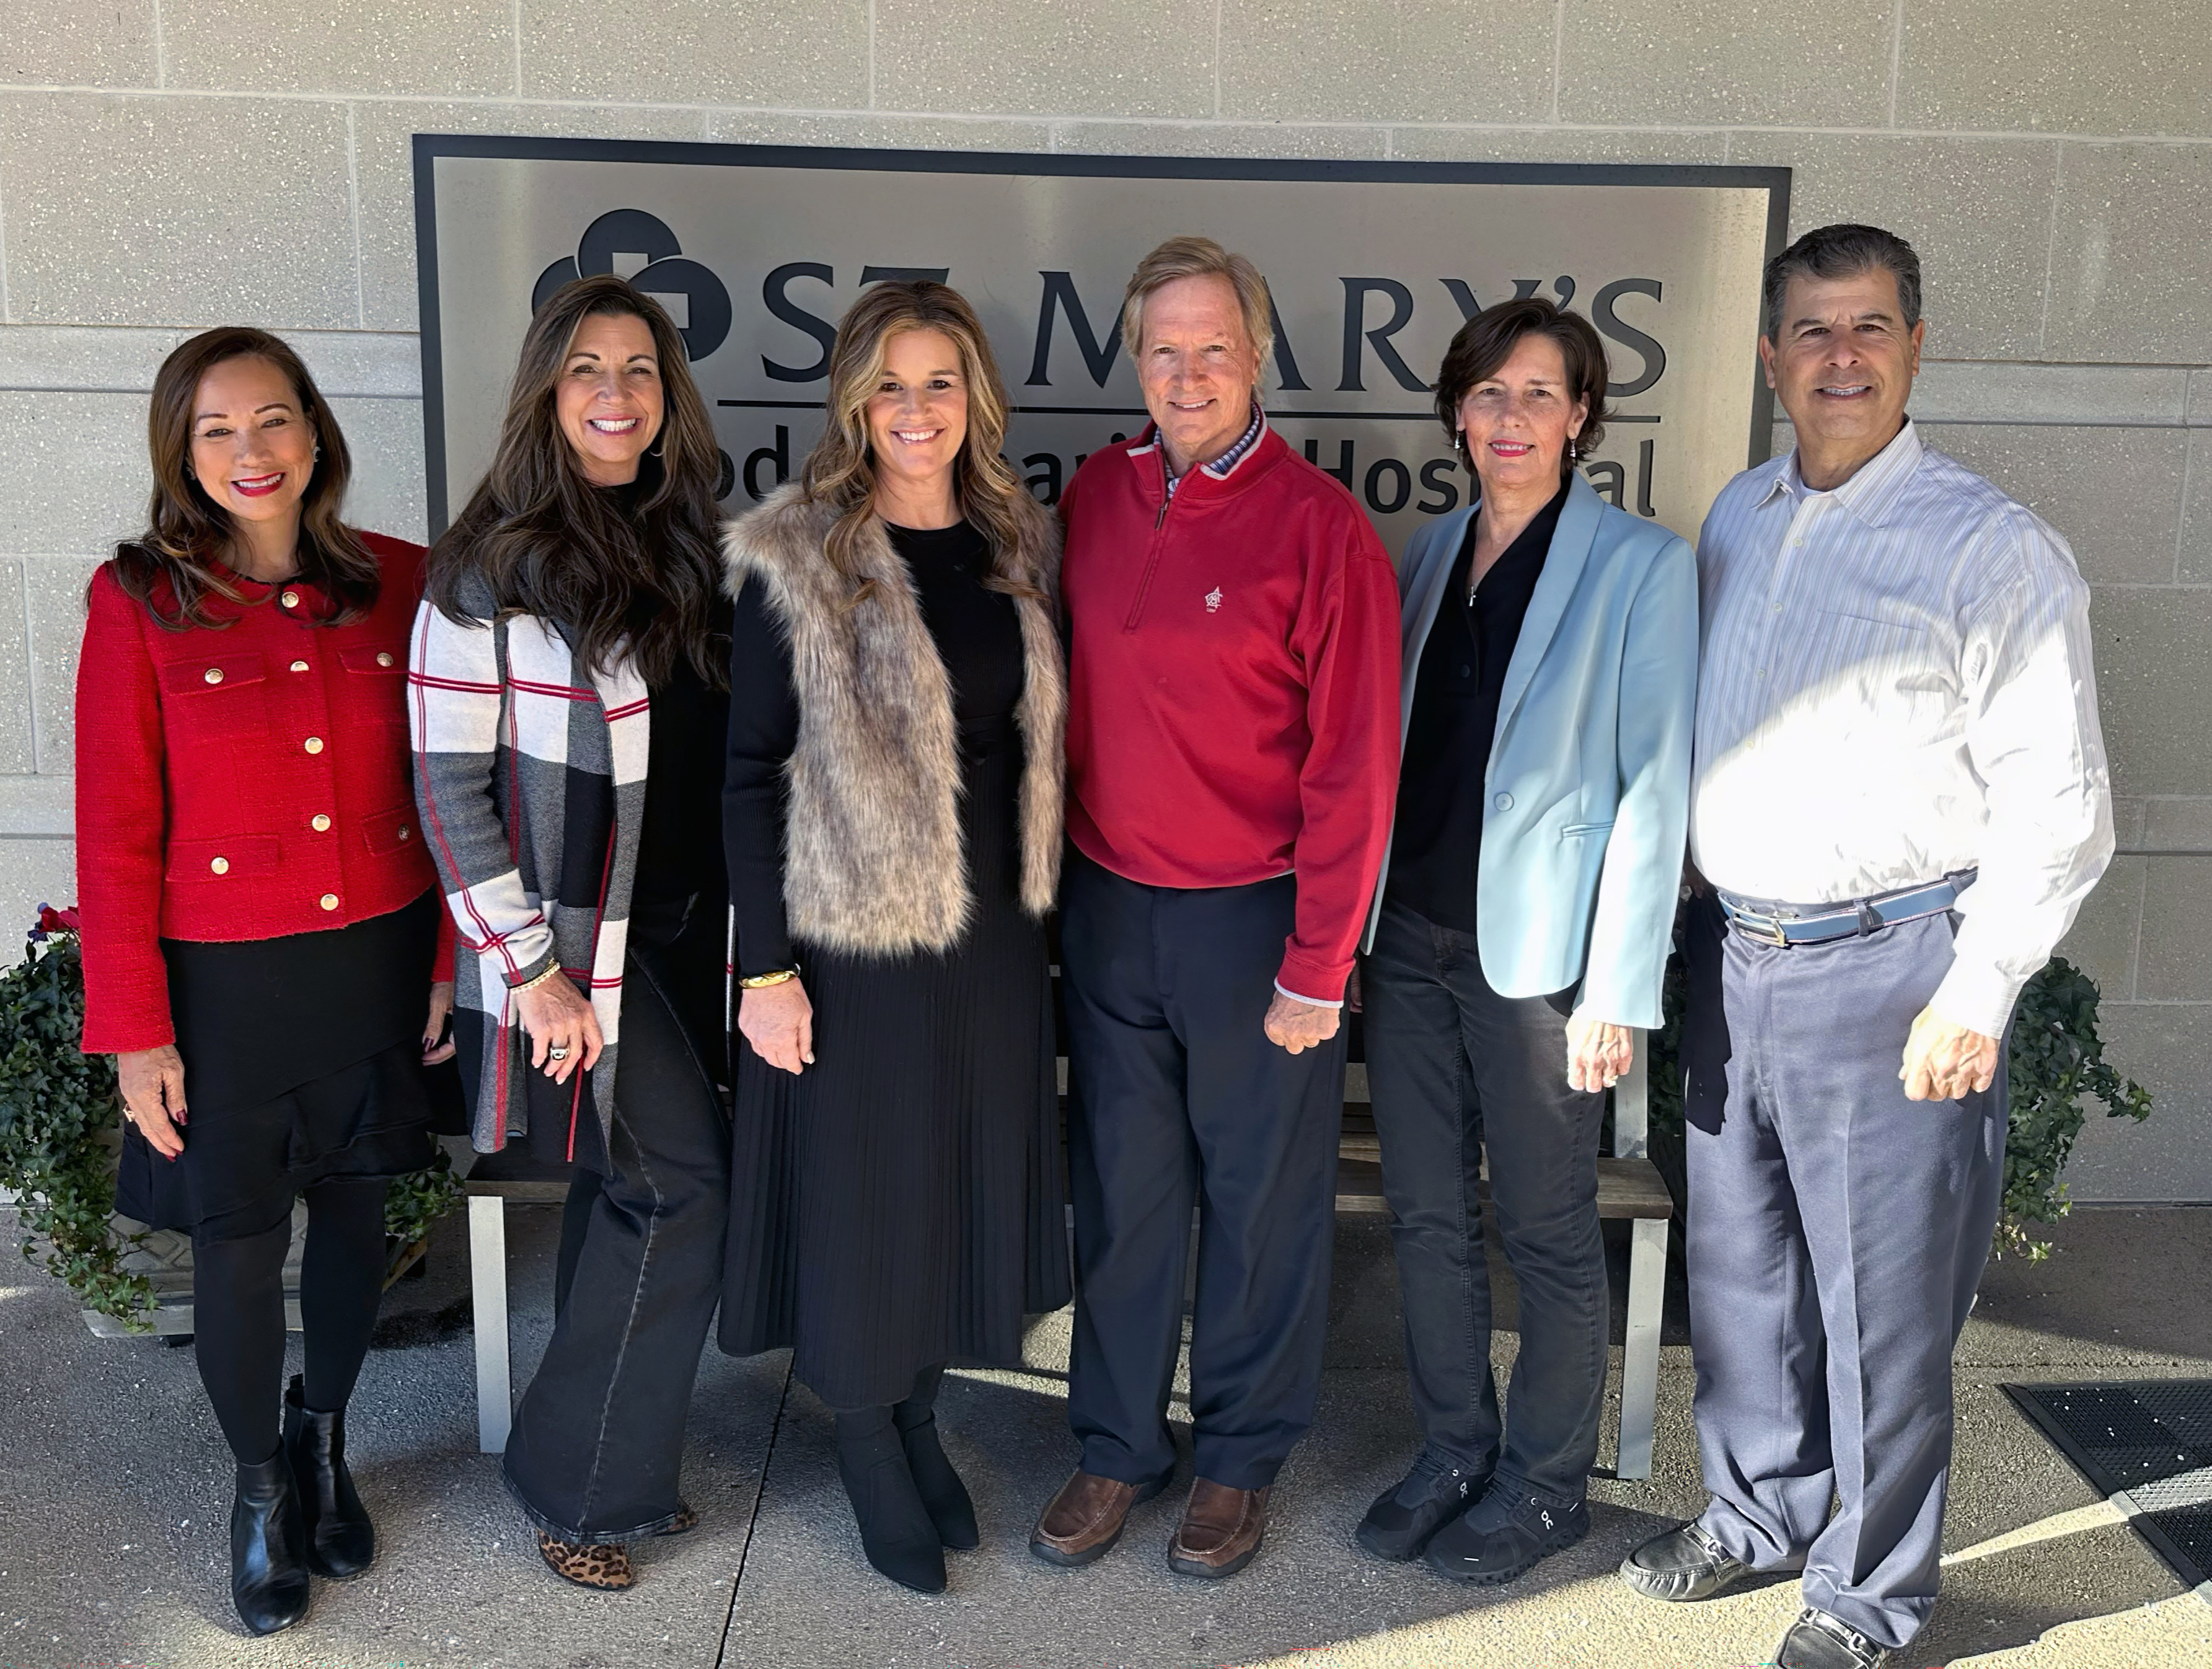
[(268, 1548), (341, 1541), (900, 1536), (941, 1490)]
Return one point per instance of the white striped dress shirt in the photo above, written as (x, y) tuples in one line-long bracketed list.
[(1895, 684)]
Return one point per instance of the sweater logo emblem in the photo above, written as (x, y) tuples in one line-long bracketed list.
[(1213, 601)]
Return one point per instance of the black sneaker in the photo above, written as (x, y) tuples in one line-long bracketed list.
[(1504, 1535), (1403, 1518), (1818, 1640), (1682, 1565)]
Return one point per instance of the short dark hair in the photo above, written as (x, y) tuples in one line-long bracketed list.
[(1486, 341), (1844, 250)]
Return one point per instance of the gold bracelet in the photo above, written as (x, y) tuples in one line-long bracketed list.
[(533, 984), (761, 981)]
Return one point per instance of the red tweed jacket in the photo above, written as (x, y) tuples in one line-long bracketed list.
[(240, 782)]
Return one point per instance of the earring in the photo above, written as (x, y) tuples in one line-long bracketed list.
[(318, 452), (659, 442), (1573, 451), (1459, 442)]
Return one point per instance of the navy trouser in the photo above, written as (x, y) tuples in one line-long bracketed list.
[(1176, 1096), (1456, 1068), (1836, 1233)]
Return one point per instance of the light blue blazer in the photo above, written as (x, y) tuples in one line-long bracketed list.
[(1589, 786)]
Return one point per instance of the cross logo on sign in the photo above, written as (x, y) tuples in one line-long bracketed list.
[(642, 249)]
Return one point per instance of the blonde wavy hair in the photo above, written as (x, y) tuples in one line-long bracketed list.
[(841, 471)]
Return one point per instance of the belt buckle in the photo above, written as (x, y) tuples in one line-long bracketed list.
[(1760, 929)]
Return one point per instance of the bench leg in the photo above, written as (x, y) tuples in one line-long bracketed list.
[(1639, 1367), (488, 1285)]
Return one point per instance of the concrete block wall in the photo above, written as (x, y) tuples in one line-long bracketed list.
[(166, 165)]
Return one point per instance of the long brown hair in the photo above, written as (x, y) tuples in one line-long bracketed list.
[(188, 534), (841, 471), (550, 545)]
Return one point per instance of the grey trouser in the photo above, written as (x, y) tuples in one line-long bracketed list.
[(1836, 1233)]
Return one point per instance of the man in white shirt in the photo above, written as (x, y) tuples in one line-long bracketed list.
[(1901, 801)]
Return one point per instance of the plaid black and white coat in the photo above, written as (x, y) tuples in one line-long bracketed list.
[(530, 775)]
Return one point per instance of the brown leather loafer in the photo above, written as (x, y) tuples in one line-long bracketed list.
[(1085, 1519), (1220, 1531)]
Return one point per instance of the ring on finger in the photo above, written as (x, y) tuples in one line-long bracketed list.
[(558, 1051)]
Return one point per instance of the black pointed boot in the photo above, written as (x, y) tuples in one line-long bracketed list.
[(341, 1541), (896, 1531), (939, 1486), (268, 1548)]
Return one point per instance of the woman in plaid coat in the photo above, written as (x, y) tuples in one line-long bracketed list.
[(568, 699)]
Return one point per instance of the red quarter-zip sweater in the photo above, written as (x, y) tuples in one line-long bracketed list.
[(1233, 686), (244, 781)]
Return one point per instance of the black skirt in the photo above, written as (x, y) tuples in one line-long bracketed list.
[(901, 1203), (302, 1063)]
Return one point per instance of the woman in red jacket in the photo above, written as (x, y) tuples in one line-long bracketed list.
[(260, 922)]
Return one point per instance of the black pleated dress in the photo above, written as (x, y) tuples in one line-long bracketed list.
[(901, 1203), (302, 1063)]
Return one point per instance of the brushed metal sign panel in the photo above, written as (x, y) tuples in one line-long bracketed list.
[(758, 250)]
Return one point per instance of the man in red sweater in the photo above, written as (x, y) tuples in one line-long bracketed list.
[(1232, 755)]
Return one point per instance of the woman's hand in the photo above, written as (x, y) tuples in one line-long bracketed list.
[(152, 1083), (564, 1032), (436, 1046), (778, 1021), (1598, 1052)]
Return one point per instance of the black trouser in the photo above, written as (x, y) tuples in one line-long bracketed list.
[(1456, 1068), (598, 1438), (238, 1312), (1177, 1096)]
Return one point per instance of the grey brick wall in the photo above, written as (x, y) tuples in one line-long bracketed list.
[(166, 165)]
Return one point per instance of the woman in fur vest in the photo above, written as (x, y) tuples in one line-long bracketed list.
[(892, 819)]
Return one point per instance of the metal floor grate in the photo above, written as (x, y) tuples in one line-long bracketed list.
[(2147, 1444)]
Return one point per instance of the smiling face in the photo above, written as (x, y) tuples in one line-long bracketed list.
[(1517, 422), (918, 416), (609, 400), (252, 449), (1198, 368), (1843, 361)]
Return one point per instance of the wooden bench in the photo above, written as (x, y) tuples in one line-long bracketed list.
[(1628, 1186)]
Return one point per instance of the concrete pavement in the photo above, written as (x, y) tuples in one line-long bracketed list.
[(115, 1493)]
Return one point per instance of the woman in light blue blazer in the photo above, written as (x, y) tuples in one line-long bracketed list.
[(1521, 929)]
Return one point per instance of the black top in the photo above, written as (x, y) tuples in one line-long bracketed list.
[(679, 850), (1435, 852), (978, 636), (679, 846)]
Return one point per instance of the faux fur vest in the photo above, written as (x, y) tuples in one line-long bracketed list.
[(873, 862)]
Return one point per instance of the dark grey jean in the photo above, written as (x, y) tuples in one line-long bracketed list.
[(1454, 1067), (1836, 1233), (598, 1438)]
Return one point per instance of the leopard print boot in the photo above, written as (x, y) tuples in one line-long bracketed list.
[(587, 1564)]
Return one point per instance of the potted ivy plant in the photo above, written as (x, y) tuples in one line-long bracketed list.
[(61, 1132)]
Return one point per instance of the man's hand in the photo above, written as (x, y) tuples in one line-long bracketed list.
[(1297, 1025), (1943, 1060)]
